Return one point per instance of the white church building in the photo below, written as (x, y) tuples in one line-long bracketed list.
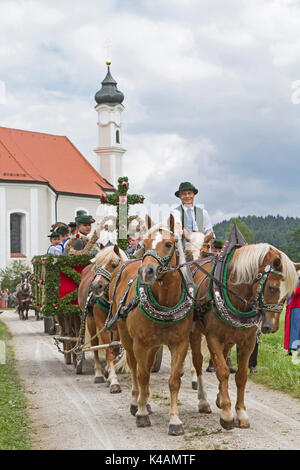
[(45, 179)]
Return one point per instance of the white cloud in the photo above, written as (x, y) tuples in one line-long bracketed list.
[(158, 159), (206, 88)]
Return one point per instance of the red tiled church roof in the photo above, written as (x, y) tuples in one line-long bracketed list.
[(47, 158)]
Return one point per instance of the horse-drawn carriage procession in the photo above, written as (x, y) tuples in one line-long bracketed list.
[(22, 298), (174, 290)]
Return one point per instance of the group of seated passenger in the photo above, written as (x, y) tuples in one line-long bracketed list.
[(61, 234)]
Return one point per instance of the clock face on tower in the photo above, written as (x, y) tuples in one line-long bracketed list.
[(104, 117)]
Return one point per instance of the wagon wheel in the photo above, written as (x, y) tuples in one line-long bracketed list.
[(67, 344), (158, 359)]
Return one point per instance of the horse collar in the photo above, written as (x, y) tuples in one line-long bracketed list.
[(160, 313)]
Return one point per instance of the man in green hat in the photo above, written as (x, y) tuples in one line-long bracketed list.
[(83, 229), (84, 224), (189, 216)]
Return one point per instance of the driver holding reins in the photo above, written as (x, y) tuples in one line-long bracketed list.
[(189, 216)]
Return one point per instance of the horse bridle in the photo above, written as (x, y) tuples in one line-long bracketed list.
[(259, 302), (164, 261), (102, 272)]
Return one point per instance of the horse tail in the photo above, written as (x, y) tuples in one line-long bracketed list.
[(204, 348)]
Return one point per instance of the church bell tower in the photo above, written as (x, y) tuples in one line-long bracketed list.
[(109, 108)]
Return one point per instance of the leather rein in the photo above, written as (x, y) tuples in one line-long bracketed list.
[(258, 303)]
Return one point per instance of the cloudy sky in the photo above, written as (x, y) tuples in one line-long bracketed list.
[(212, 91)]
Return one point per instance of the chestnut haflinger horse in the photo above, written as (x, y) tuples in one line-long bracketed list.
[(23, 297), (152, 307), (93, 299), (247, 291)]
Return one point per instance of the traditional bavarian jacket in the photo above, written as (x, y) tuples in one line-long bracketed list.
[(196, 220)]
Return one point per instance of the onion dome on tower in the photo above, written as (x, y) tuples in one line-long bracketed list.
[(109, 93)]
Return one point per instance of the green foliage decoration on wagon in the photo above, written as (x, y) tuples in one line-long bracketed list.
[(46, 283), (122, 200)]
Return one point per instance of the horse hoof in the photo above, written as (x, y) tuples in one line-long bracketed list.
[(143, 421), (228, 425), (149, 409), (115, 388), (195, 385), (205, 409), (242, 424), (175, 430), (99, 380), (133, 409)]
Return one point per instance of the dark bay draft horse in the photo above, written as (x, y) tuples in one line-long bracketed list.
[(24, 299), (161, 315), (261, 275), (95, 279)]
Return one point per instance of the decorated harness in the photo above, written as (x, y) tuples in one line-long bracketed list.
[(144, 297), (217, 296)]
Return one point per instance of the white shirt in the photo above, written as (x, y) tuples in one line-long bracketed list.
[(54, 250), (207, 225)]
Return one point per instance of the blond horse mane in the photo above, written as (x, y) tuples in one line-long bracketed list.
[(247, 260), (195, 242), (106, 255)]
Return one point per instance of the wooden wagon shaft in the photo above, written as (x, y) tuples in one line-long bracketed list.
[(66, 338), (114, 344)]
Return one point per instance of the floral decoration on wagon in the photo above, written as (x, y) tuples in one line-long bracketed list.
[(55, 283)]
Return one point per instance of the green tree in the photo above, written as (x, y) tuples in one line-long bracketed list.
[(292, 248), (247, 233), (12, 275)]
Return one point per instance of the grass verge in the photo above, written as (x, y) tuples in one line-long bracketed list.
[(14, 421), (275, 369)]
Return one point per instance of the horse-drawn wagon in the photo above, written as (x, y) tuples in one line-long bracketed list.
[(55, 289), (55, 283)]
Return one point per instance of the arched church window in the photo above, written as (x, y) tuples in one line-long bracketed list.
[(117, 136), (17, 234)]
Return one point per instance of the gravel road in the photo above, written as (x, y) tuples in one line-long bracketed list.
[(71, 412)]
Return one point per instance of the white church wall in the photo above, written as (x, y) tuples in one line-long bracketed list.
[(45, 218), (17, 201), (34, 204), (3, 241), (17, 196), (68, 205)]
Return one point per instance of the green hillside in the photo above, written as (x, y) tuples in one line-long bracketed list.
[(276, 230)]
